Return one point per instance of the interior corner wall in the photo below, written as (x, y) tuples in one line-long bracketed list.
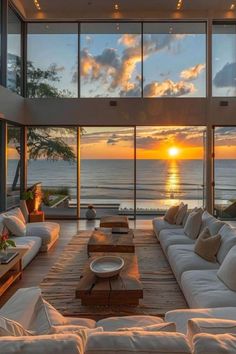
[(12, 106)]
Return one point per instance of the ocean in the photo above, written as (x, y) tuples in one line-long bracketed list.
[(158, 182)]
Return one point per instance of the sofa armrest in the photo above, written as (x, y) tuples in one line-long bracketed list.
[(50, 344)]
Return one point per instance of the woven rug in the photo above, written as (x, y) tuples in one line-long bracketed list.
[(161, 291)]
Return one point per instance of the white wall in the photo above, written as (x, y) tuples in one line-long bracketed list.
[(12, 106)]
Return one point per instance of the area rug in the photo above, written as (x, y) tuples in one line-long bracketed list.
[(161, 291)]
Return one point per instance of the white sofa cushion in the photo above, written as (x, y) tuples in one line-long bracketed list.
[(227, 271), (137, 342), (114, 323), (193, 224), (215, 227), (228, 240), (202, 288), (183, 258), (181, 317), (15, 212), (48, 344), (160, 327), (21, 306), (48, 231), (211, 326), (14, 225), (173, 237), (32, 244), (160, 224), (9, 327), (214, 344)]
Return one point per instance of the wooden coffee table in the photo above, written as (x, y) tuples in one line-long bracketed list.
[(103, 240), (124, 289)]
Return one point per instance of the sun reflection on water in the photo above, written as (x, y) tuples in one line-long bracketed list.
[(173, 181)]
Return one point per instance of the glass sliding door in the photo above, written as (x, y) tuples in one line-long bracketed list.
[(225, 172), (13, 165), (107, 170), (52, 164), (170, 168)]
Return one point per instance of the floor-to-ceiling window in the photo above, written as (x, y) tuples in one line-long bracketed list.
[(52, 61), (52, 163), (107, 170), (224, 60), (14, 59), (110, 59), (225, 172), (174, 59), (170, 168), (13, 165)]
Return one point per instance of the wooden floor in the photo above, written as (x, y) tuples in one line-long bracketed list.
[(42, 263)]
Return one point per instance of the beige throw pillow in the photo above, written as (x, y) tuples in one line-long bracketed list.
[(179, 218), (171, 214), (193, 224), (207, 246)]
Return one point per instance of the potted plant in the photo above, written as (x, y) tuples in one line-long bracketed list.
[(5, 242)]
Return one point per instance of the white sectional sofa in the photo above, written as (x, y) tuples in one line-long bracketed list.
[(197, 277), (39, 236), (199, 331)]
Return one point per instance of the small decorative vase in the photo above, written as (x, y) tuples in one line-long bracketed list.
[(90, 213)]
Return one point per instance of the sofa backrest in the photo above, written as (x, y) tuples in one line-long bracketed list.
[(228, 240)]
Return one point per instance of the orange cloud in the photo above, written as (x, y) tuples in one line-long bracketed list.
[(193, 72), (129, 40), (168, 88)]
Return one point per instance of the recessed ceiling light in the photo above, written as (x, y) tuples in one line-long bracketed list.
[(179, 4), (116, 7), (232, 6), (37, 5)]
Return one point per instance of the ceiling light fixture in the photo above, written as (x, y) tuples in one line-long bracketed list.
[(37, 5), (116, 7), (232, 6), (179, 4)]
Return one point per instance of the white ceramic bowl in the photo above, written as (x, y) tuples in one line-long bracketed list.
[(107, 266)]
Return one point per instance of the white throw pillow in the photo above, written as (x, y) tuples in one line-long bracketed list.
[(14, 225), (12, 328), (137, 342), (215, 227), (227, 270), (183, 208), (193, 224), (211, 326), (214, 344), (162, 327), (17, 213)]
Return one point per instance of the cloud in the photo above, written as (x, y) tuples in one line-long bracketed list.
[(130, 40), (168, 88), (193, 72), (226, 77)]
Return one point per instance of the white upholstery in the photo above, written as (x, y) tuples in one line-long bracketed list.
[(211, 326), (47, 231), (227, 271), (171, 237), (202, 288), (48, 344), (160, 327), (160, 224), (214, 344), (228, 240), (183, 258), (137, 342), (207, 220), (181, 317), (114, 323), (32, 244), (193, 224)]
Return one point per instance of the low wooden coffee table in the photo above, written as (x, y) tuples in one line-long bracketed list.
[(103, 240), (124, 289)]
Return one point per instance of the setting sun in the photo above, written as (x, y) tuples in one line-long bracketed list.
[(173, 151)]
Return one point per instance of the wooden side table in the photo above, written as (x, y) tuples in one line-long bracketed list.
[(36, 216), (11, 272)]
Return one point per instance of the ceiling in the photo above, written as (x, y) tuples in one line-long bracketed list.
[(102, 9)]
